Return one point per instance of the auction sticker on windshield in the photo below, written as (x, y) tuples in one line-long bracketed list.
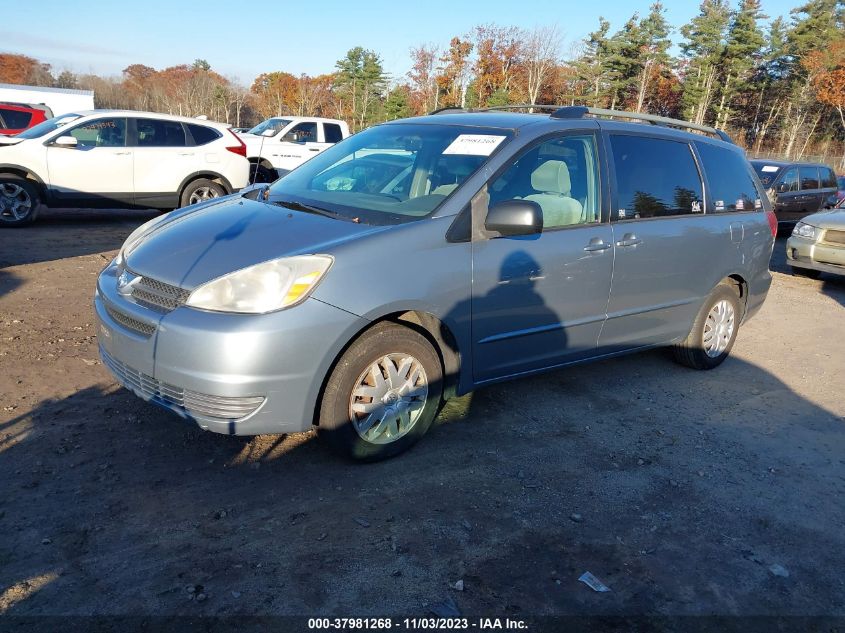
[(770, 168), (474, 144)]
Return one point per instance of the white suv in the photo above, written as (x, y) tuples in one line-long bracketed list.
[(281, 144), (116, 158)]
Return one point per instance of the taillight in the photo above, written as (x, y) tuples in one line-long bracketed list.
[(773, 222), (240, 148)]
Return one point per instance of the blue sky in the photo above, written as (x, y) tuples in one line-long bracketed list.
[(242, 40)]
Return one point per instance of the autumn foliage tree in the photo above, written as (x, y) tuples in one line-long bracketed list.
[(826, 67)]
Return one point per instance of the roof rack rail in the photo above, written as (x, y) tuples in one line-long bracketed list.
[(577, 112), (519, 106), (447, 110)]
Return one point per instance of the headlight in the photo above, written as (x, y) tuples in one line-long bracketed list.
[(804, 230), (265, 287)]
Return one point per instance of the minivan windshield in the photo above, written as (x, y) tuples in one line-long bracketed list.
[(390, 173), (766, 172), (277, 125), (48, 126)]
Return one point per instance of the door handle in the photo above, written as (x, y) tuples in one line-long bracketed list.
[(186, 153), (121, 153), (629, 239), (313, 149), (596, 245)]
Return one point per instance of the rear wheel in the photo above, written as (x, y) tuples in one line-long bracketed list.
[(200, 190), (19, 201), (382, 395), (714, 331)]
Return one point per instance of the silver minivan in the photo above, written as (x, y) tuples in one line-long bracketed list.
[(426, 257)]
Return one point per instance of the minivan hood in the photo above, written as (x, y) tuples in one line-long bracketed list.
[(194, 247)]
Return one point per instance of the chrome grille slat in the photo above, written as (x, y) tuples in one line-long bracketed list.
[(158, 295), (184, 401), (131, 323)]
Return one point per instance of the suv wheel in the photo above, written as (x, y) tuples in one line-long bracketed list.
[(714, 331), (382, 395), (19, 201), (200, 190)]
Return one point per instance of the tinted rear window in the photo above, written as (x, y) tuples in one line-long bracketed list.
[(333, 132), (655, 178), (202, 134), (809, 177), (14, 119), (729, 175), (158, 133), (828, 178)]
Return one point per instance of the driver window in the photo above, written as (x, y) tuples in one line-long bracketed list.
[(560, 175), (100, 133), (789, 182), (307, 132)]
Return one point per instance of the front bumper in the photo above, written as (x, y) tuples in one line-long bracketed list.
[(233, 374), (806, 253)]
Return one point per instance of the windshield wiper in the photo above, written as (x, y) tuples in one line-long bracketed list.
[(298, 206)]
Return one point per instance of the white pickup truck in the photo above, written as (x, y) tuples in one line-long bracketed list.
[(276, 146)]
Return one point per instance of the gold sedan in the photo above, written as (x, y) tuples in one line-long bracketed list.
[(817, 244)]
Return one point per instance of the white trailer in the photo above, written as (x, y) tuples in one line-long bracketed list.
[(59, 100)]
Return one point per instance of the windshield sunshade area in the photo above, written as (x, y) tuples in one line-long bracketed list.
[(766, 173), (391, 173), (277, 125), (48, 126)]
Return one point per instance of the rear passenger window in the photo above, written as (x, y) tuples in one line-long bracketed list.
[(809, 177), (655, 178), (16, 120), (203, 135), (729, 174), (333, 132), (158, 133), (828, 178)]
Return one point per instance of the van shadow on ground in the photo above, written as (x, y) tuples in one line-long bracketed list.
[(689, 486)]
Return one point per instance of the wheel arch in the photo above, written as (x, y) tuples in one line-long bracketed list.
[(23, 172), (441, 337), (210, 175), (741, 286)]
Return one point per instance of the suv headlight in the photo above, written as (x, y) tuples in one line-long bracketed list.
[(804, 230), (266, 287)]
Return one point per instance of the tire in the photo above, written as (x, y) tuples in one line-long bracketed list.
[(367, 434), (701, 351), (261, 174), (806, 272), (200, 190), (19, 201)]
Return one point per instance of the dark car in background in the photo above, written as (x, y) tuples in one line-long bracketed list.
[(17, 117), (796, 189)]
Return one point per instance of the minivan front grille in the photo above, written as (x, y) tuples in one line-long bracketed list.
[(158, 295), (184, 401), (834, 237), (130, 323)]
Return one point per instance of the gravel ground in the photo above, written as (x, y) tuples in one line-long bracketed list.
[(684, 492)]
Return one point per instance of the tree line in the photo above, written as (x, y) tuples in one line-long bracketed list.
[(776, 85)]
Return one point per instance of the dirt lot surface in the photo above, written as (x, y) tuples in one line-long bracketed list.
[(684, 492)]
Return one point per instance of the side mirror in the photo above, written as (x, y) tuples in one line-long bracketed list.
[(292, 137), (515, 217), (66, 141), (269, 132), (782, 187)]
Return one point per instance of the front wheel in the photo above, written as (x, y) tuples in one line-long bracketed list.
[(19, 201), (714, 331), (200, 190), (382, 395)]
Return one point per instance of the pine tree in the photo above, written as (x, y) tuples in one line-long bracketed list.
[(741, 53), (702, 50)]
